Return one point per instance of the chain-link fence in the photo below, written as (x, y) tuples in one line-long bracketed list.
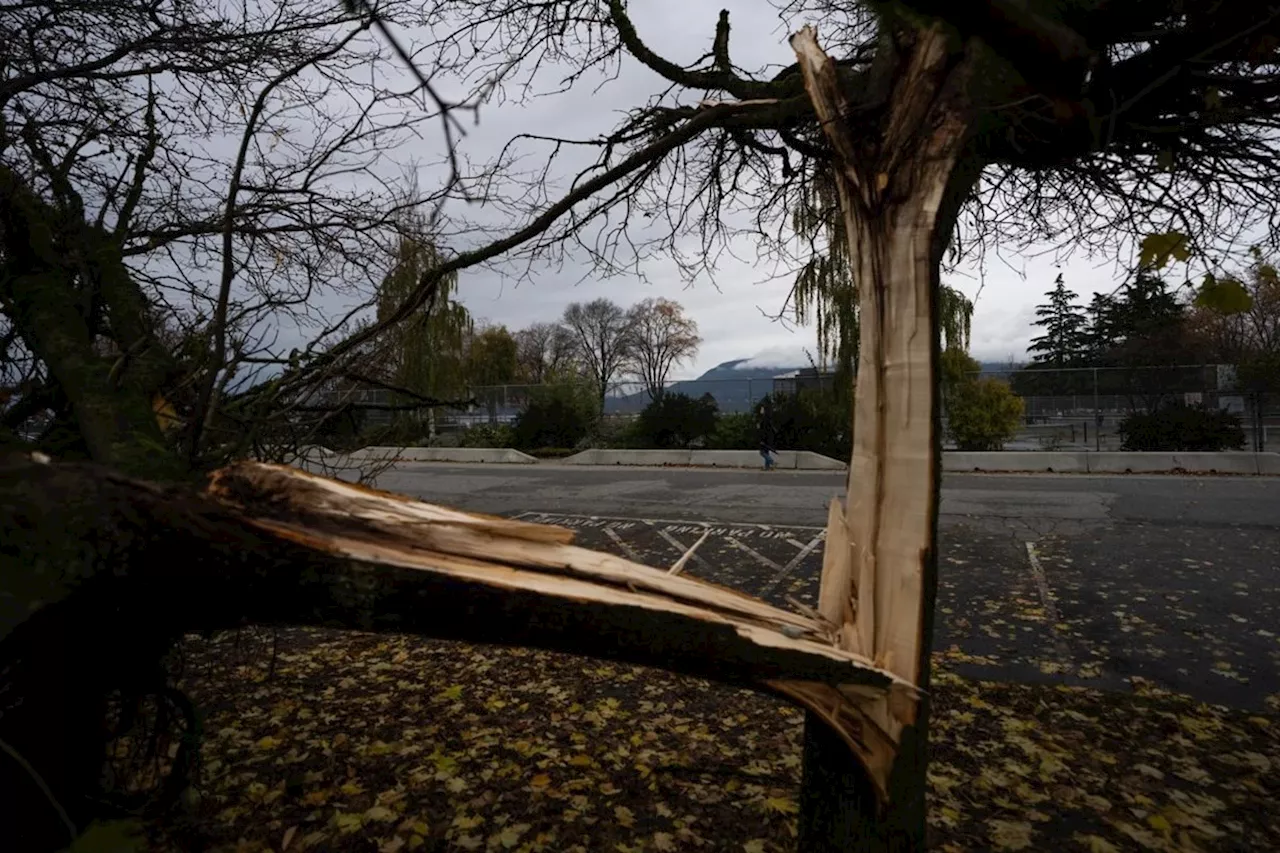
[(1080, 408), (1077, 408)]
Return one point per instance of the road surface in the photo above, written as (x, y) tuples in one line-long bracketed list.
[(1120, 583)]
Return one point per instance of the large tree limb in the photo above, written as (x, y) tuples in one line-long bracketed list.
[(87, 550), (723, 79)]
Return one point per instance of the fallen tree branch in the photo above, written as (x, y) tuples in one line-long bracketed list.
[(134, 563)]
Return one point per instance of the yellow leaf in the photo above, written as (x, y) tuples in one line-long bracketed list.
[(581, 760), (625, 816), (444, 763), (316, 798), (416, 841), (1223, 296), (782, 805), (541, 780), (268, 743), (1009, 835), (755, 845), (382, 814), (1097, 803), (347, 823), (352, 789), (166, 415), (452, 693), (663, 842), (510, 836), (1158, 249), (1098, 844), (1159, 823)]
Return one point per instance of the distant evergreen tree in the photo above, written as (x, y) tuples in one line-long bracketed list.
[(1100, 333), (1065, 341)]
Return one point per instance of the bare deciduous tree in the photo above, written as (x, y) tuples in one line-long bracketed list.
[(544, 351), (602, 337), (186, 168), (662, 336)]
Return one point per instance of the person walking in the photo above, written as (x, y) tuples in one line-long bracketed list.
[(765, 429)]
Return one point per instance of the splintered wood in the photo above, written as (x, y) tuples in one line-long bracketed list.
[(879, 545), (547, 592)]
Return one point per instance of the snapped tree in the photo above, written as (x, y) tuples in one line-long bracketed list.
[(996, 119)]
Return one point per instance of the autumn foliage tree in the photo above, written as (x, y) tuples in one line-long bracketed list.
[(662, 337)]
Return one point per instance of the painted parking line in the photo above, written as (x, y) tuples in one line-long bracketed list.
[(740, 529), (759, 558), (805, 550), (680, 547), (773, 562)]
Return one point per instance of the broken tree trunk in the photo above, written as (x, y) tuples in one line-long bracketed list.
[(98, 571), (898, 180)]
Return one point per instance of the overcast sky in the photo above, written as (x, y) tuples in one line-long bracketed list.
[(735, 312)]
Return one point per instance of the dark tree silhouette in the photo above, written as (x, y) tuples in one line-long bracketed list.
[(1065, 338)]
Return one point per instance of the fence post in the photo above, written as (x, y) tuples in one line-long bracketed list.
[(1097, 414)]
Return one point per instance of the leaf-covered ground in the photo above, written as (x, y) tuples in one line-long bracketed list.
[(361, 742), (1087, 674)]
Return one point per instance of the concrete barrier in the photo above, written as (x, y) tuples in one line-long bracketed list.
[(655, 458), (1157, 462), (446, 454), (1057, 462), (737, 459), (790, 460), (807, 460), (1010, 461), (1112, 462)]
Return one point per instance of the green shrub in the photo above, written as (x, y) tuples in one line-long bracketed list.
[(402, 432), (488, 435), (552, 452), (676, 421), (982, 414), (560, 415), (734, 431), (1177, 426), (614, 433), (809, 420)]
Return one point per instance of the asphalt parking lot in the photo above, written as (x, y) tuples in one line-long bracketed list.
[(1120, 583)]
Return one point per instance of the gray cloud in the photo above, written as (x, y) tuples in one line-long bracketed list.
[(735, 306)]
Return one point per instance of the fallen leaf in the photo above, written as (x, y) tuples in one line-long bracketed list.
[(347, 822), (782, 805), (1009, 835)]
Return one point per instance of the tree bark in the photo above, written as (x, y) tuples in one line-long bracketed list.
[(111, 399), (92, 565), (899, 191)]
